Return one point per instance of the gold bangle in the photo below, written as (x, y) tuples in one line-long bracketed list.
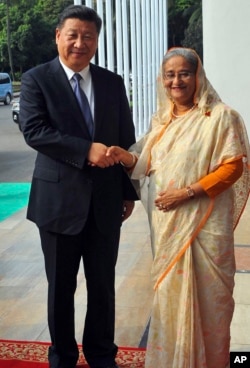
[(190, 192), (129, 166)]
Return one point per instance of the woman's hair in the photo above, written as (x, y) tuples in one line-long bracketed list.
[(81, 12), (188, 54)]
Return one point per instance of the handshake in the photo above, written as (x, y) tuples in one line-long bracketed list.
[(102, 156)]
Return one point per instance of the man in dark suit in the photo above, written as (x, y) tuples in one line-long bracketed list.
[(79, 196)]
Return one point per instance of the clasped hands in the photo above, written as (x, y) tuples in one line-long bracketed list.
[(102, 156)]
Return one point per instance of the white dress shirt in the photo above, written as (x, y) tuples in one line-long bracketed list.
[(85, 83)]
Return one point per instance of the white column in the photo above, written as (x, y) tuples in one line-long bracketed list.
[(150, 78), (110, 37), (139, 64), (133, 75), (101, 43), (88, 3), (126, 48), (145, 88), (119, 41)]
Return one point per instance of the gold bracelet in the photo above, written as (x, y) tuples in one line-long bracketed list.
[(190, 192), (129, 166)]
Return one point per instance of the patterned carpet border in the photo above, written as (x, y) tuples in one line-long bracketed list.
[(34, 354)]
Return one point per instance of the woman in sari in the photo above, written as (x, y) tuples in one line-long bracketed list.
[(196, 158)]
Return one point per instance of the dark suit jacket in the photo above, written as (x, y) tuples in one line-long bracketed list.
[(63, 185)]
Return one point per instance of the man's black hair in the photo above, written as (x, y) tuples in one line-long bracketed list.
[(80, 12)]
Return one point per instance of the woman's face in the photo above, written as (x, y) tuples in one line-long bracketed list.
[(179, 79)]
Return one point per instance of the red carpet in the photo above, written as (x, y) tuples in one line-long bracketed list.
[(32, 354)]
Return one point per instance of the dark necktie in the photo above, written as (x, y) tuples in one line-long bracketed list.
[(83, 102)]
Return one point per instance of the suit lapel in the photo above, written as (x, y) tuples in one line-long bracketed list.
[(100, 90)]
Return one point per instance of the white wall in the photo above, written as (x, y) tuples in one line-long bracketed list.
[(226, 45)]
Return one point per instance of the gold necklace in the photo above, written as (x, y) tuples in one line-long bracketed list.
[(180, 116)]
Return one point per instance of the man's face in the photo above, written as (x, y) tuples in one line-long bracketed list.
[(77, 43)]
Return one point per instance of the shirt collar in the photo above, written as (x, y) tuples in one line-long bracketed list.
[(85, 73)]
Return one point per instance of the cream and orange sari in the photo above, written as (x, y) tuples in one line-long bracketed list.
[(193, 246)]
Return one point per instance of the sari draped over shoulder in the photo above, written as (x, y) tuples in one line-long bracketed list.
[(193, 245)]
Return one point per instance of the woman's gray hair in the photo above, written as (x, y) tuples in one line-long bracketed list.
[(188, 54)]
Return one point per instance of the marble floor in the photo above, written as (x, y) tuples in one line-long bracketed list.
[(23, 285)]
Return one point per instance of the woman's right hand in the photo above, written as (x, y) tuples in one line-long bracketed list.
[(119, 154)]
